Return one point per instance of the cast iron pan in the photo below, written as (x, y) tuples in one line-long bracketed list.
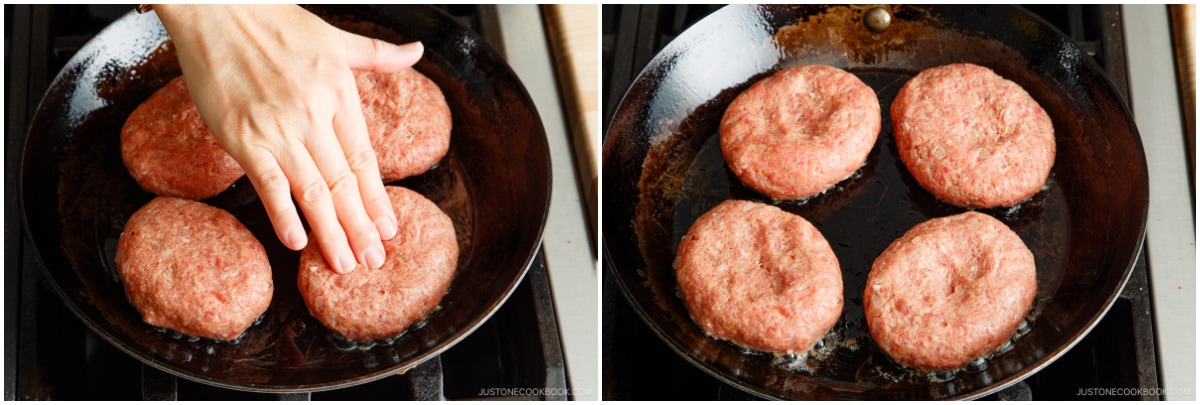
[(663, 168), (76, 196)]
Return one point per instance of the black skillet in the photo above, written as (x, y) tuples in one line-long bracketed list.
[(76, 195), (663, 168)]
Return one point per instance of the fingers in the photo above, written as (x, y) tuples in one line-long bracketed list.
[(351, 132), (313, 195), (368, 54), (347, 203), (297, 173), (328, 193), (273, 188)]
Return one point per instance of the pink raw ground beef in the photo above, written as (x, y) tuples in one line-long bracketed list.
[(950, 290), (408, 121), (972, 138), (369, 304), (170, 152), (193, 268), (800, 131), (759, 277)]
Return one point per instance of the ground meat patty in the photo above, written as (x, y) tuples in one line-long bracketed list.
[(193, 268), (759, 277), (972, 138), (950, 290), (408, 121), (369, 304), (170, 152), (800, 131)]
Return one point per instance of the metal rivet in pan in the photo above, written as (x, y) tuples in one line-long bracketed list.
[(878, 19)]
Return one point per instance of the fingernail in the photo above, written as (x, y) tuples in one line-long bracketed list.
[(346, 260), (374, 256), (387, 228), (296, 239)]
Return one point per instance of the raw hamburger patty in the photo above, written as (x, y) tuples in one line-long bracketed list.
[(369, 304), (950, 290), (193, 268), (760, 277), (408, 121), (170, 152), (800, 131), (971, 137)]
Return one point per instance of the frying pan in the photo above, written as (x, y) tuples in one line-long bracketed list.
[(76, 196), (663, 168)]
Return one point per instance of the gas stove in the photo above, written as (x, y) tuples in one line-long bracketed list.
[(49, 354), (1120, 352)]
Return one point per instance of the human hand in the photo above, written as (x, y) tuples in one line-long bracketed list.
[(274, 84)]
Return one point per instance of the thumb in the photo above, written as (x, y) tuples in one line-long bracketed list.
[(369, 54)]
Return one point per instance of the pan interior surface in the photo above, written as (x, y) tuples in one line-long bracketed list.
[(664, 168), (76, 196)]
